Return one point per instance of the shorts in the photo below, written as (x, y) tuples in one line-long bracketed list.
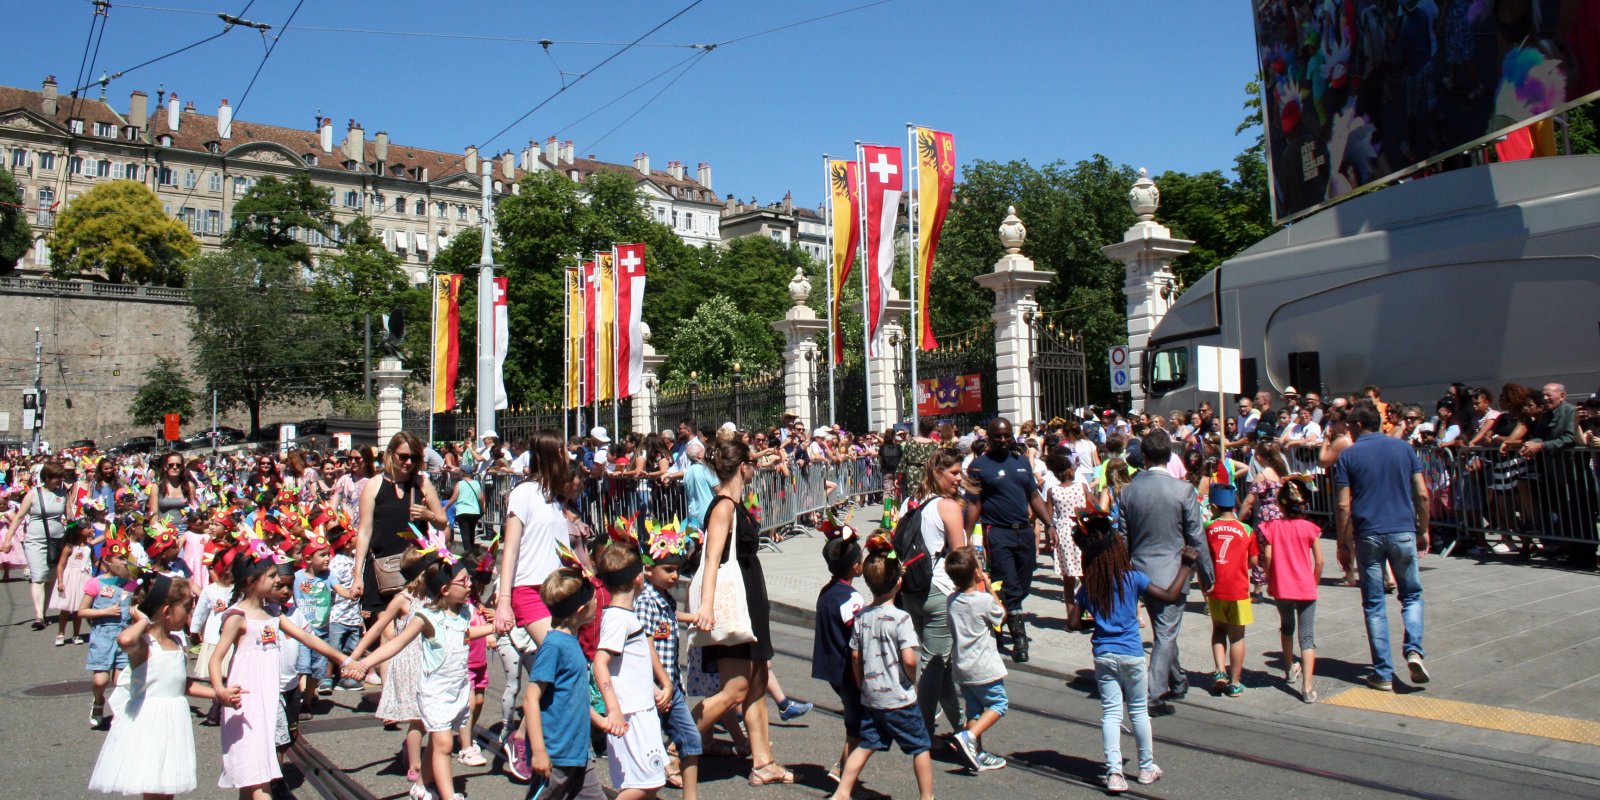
[(443, 703), (527, 606), (880, 726), (850, 703), (104, 654), (310, 662), (344, 638), (478, 676), (680, 727), (1230, 612), (569, 783), (286, 729), (983, 697), (637, 759)]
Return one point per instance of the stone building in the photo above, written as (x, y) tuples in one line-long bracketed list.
[(783, 222)]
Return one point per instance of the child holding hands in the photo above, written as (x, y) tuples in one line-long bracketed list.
[(559, 715), (975, 612), (631, 680)]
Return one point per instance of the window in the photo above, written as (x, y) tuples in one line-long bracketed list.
[(102, 168), (352, 199), (19, 158), (214, 183), (116, 171), (1168, 370), (240, 186), (214, 222), (130, 133), (41, 252), (461, 213), (419, 208), (380, 203), (76, 126), (165, 140), (166, 176), (190, 178), (47, 215), (105, 129), (133, 172), (213, 148), (674, 218), (439, 210), (47, 161), (777, 236), (311, 159), (75, 165), (661, 213), (688, 221), (191, 219)]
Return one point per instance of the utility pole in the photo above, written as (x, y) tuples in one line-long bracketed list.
[(485, 384), (214, 423), (38, 387), (366, 370)]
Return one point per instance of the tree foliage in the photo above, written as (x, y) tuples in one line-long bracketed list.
[(15, 234), (165, 391), (360, 283), (118, 229), (269, 216), (716, 336)]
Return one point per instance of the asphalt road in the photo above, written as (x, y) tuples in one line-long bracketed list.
[(1051, 737)]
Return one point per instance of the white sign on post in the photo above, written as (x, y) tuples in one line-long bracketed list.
[(286, 435), (1119, 368), (1218, 369)]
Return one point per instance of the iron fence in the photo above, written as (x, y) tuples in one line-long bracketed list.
[(1479, 491), (748, 401)]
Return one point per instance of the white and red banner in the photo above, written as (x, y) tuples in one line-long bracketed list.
[(591, 290), (883, 180), (502, 343), (630, 325)]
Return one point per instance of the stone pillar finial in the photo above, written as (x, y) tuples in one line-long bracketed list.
[(799, 287), (644, 331), (1012, 231), (1144, 197)]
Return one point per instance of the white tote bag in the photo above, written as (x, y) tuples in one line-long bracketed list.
[(732, 613)]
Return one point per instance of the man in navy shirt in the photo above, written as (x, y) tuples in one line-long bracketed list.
[(1006, 493), (1383, 513)]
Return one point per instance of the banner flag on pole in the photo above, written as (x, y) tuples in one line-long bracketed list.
[(630, 304), (606, 322), (574, 289), (882, 171), (844, 208), (446, 341), (936, 179), (502, 343), (591, 350)]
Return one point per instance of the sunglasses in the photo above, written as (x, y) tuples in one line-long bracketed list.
[(405, 458)]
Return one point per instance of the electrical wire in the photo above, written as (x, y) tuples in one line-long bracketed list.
[(785, 27), (653, 98), (613, 101), (226, 27)]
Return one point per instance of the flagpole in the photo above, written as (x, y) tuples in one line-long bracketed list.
[(583, 352), (833, 324), (486, 381), (616, 345), (913, 212), (595, 356), (566, 352), (866, 312), (433, 354)]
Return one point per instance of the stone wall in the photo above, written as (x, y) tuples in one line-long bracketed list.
[(98, 341)]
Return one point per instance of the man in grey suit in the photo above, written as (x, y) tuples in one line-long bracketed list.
[(1161, 516)]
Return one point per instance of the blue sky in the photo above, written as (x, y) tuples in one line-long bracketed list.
[(1154, 83)]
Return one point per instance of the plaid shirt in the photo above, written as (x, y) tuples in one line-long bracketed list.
[(659, 613)]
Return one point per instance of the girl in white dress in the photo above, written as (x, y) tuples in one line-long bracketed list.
[(150, 750)]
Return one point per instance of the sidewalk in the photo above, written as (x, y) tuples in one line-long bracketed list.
[(1514, 651)]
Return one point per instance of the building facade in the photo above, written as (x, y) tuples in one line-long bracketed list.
[(802, 228)]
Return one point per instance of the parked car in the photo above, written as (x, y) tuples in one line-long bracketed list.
[(202, 440), (78, 447), (137, 444)]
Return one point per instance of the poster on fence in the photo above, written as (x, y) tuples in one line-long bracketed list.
[(956, 394)]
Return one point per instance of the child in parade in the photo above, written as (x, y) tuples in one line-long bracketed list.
[(559, 715), (1234, 552), (345, 625), (206, 620), (631, 680), (1292, 555), (668, 549), (883, 655), (838, 605), (313, 596), (1110, 593), (72, 572), (469, 753), (975, 613), (398, 702), (105, 603)]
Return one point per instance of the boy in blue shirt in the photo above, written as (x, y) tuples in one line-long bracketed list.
[(313, 595), (837, 607), (1110, 591), (558, 688)]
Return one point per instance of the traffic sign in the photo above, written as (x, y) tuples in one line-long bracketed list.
[(1119, 368), (169, 427)]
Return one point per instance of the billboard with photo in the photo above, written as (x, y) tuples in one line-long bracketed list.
[(1358, 92)]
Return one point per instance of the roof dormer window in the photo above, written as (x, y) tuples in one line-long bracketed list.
[(350, 164), (311, 159), (213, 147), (165, 140), (105, 129), (75, 126)]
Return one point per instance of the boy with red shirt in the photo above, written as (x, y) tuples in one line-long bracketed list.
[(1234, 552)]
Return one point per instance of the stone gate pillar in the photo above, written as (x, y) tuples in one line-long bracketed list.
[(644, 397), (1147, 251), (389, 378), (801, 356), (1013, 282), (886, 401)]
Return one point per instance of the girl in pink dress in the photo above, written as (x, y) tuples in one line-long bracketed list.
[(250, 705)]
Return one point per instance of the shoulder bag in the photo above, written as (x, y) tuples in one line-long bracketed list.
[(387, 569), (731, 607)]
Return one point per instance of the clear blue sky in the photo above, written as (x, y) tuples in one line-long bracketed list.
[(1154, 83)]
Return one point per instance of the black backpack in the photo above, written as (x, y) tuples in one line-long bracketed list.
[(916, 565)]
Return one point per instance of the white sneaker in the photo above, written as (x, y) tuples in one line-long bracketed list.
[(472, 757), (1419, 670), (422, 792)]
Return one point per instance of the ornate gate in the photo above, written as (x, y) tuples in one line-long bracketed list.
[(959, 360), (1059, 369)]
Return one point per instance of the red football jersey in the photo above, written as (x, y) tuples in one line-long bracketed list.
[(1232, 545)]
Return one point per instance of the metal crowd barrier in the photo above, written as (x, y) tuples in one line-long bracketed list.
[(1554, 496), (789, 499)]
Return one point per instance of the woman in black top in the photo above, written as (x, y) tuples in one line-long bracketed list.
[(393, 500), (742, 667)]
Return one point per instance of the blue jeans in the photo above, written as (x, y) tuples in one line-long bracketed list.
[(680, 727), (1399, 551), (310, 662), (1123, 676), (344, 638)]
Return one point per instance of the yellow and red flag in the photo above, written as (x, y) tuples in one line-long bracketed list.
[(936, 180), (845, 213), (574, 290), (446, 340), (606, 328), (591, 349)]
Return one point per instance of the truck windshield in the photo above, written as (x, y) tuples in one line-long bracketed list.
[(1169, 370)]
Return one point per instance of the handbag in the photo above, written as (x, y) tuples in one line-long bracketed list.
[(732, 611), (386, 570)]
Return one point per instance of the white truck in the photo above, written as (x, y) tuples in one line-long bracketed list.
[(1481, 275)]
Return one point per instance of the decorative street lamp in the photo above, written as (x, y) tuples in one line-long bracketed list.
[(738, 410)]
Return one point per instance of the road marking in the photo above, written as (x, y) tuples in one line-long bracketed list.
[(1509, 720)]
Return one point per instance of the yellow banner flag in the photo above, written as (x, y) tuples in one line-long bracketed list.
[(606, 317), (936, 177), (446, 340), (842, 210), (574, 291)]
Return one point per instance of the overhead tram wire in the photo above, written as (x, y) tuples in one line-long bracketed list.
[(653, 98), (613, 101), (229, 22)]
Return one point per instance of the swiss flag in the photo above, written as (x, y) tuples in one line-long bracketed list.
[(882, 172), (630, 333)]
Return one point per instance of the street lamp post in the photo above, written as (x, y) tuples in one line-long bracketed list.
[(738, 408), (694, 386)]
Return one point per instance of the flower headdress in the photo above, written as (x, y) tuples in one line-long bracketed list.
[(881, 543), (431, 542), (669, 542), (570, 560)]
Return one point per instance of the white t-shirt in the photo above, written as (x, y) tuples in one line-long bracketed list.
[(624, 636), (933, 538), (289, 653), (543, 525), (207, 619), (1084, 452)]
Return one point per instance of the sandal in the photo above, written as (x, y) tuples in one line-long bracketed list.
[(716, 749), (770, 772)]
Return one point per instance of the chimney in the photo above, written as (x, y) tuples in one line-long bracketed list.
[(567, 156), (472, 159), (552, 151), (705, 175), (729, 205), (139, 110), (641, 162), (380, 147), (675, 168), (224, 120), (788, 202), (172, 113), (49, 104), (326, 135), (355, 143), (188, 106), (508, 165)]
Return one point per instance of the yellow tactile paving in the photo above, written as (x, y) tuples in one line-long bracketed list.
[(1492, 718)]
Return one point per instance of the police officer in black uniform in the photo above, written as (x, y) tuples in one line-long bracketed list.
[(1006, 492)]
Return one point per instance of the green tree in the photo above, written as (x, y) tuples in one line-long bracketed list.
[(276, 215), (717, 335), (118, 229), (165, 391), (15, 234), (256, 336), (361, 282)]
